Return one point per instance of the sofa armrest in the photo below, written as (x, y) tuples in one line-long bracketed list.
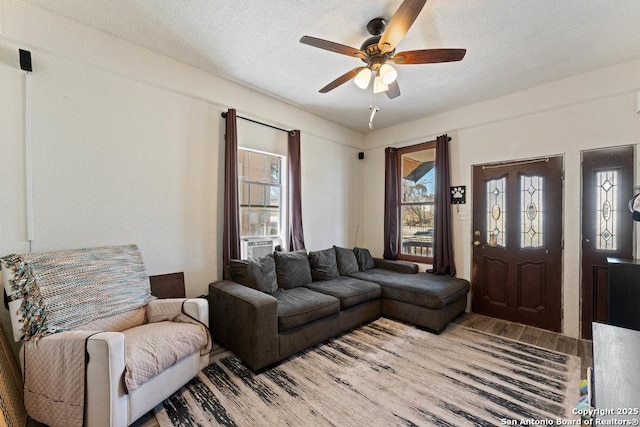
[(166, 309), (244, 321), (198, 308), (396, 265), (106, 400)]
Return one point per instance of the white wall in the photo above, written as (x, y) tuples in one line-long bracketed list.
[(128, 148), (333, 166), (587, 111)]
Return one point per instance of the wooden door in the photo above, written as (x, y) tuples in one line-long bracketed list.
[(517, 238), (607, 227)]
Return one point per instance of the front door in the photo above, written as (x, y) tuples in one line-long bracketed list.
[(607, 227), (517, 238)]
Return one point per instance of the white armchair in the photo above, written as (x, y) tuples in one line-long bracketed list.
[(115, 346), (107, 402)]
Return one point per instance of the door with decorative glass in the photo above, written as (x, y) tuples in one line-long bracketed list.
[(607, 227), (517, 241)]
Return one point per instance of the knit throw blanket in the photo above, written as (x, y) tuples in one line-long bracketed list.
[(65, 289)]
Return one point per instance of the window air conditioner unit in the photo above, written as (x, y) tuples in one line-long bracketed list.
[(258, 248)]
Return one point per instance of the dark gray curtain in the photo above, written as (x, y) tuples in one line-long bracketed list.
[(296, 234), (231, 233), (443, 262), (391, 214)]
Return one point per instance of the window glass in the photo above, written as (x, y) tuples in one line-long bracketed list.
[(417, 201), (259, 193), (531, 211), (256, 194), (607, 209), (274, 164), (496, 212), (274, 195)]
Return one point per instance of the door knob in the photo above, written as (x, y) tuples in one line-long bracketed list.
[(476, 243)]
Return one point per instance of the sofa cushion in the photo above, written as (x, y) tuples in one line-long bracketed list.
[(259, 274), (365, 260), (147, 353), (300, 306), (397, 265), (116, 323), (323, 264), (347, 262), (292, 269), (348, 290), (421, 289)]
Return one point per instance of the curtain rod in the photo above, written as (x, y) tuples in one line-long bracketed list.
[(428, 142), (420, 143), (448, 139), (523, 162), (224, 116)]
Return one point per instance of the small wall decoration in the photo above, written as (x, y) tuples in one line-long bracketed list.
[(459, 195)]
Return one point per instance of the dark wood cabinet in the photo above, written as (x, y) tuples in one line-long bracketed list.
[(624, 293), (168, 285)]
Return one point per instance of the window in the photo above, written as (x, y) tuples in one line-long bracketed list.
[(417, 201), (260, 193), (532, 211), (497, 212), (606, 210)]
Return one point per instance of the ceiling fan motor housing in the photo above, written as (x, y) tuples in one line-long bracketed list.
[(376, 26), (375, 58), (370, 46)]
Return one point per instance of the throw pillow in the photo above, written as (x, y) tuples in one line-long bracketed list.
[(323, 264), (347, 262), (292, 269), (258, 273), (365, 260)]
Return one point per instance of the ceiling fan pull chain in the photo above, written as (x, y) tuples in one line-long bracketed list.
[(374, 110)]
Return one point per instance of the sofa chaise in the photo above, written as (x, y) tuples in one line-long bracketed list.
[(268, 309)]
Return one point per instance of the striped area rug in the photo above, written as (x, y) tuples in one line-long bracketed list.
[(386, 373)]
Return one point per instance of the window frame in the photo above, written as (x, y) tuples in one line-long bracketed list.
[(282, 200), (424, 146)]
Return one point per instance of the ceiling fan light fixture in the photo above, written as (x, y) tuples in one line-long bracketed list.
[(388, 74), (379, 51), (363, 78), (379, 85)]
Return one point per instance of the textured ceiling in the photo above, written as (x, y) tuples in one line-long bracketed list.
[(511, 45)]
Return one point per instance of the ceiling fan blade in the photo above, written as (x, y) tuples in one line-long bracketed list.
[(333, 47), (399, 24), (394, 90), (428, 56), (342, 79)]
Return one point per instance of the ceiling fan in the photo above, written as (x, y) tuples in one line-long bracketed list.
[(378, 51)]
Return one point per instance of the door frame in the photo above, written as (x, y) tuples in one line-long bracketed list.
[(607, 158), (555, 320)]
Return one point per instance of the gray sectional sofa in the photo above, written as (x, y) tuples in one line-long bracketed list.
[(268, 309)]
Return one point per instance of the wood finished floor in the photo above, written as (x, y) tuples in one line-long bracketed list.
[(531, 335), (504, 328)]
